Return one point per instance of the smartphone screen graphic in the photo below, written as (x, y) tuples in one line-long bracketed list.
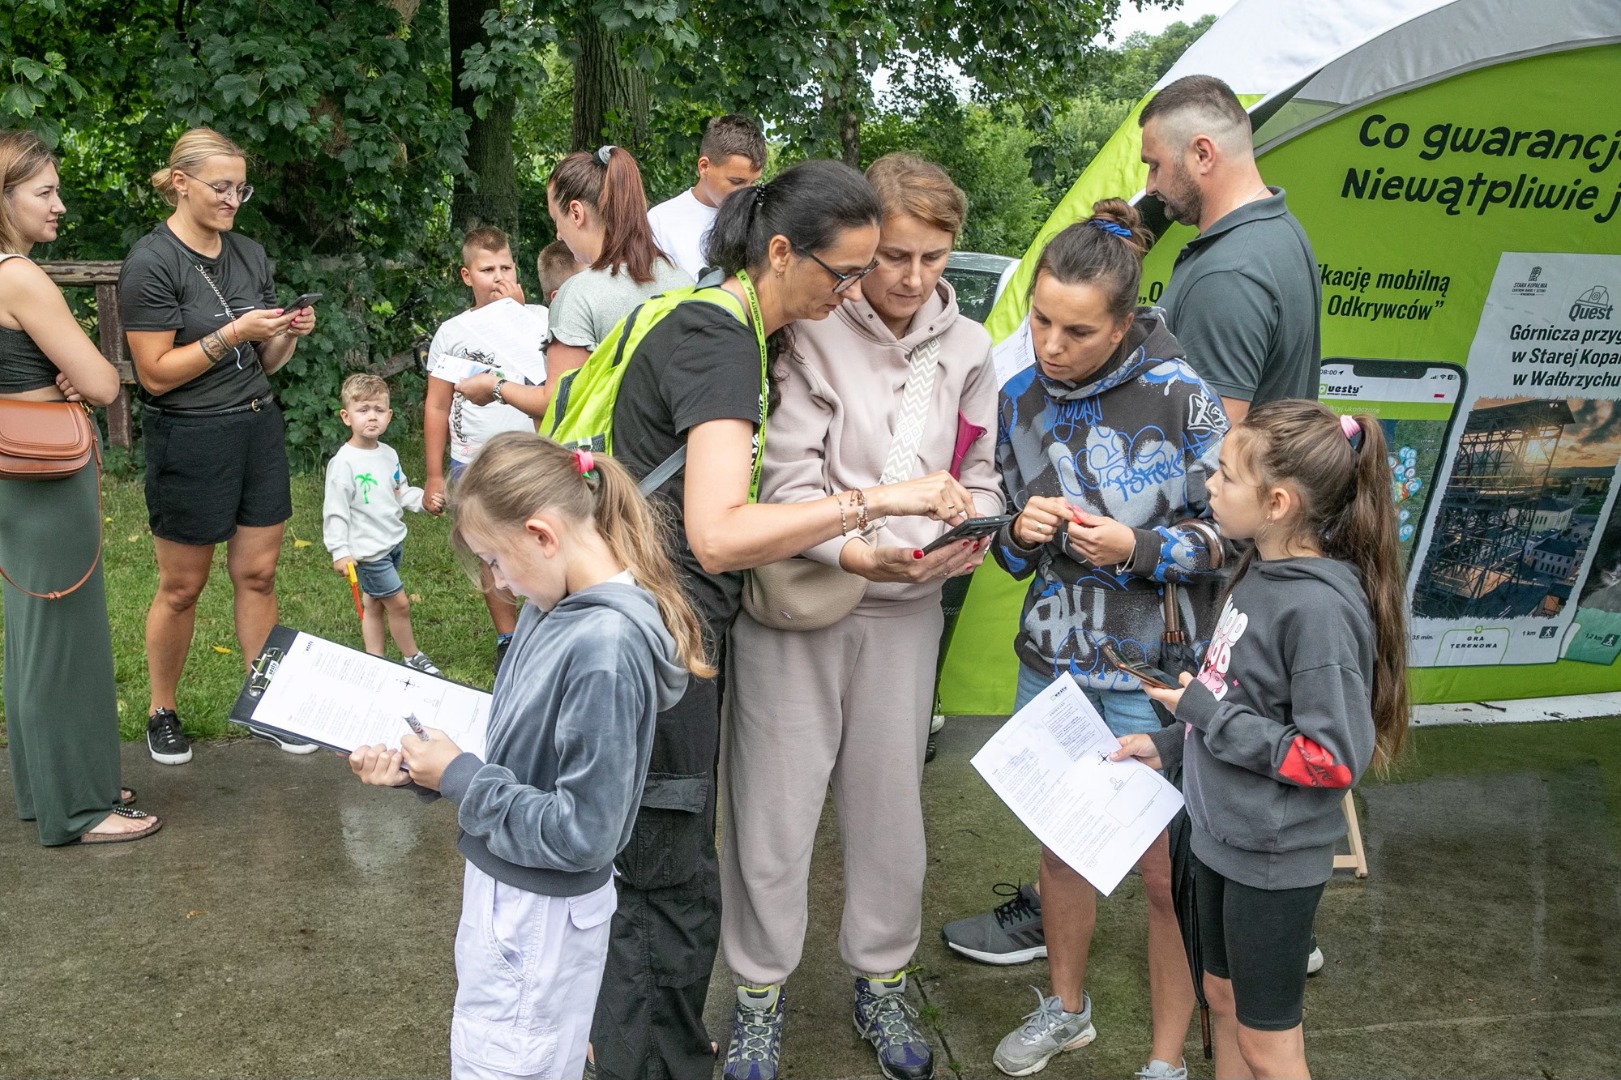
[(1416, 402)]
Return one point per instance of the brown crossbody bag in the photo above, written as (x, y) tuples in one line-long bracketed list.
[(48, 440)]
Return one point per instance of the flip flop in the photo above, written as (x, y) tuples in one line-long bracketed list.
[(153, 824), (126, 796)]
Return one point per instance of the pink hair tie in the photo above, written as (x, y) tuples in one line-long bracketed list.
[(585, 461), (1353, 431)]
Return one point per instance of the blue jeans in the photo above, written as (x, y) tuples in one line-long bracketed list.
[(1127, 712)]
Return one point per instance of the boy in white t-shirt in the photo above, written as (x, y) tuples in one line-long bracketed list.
[(363, 517), (447, 418), (730, 158)]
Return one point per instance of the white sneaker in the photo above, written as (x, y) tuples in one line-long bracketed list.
[(1163, 1070), (420, 662), (291, 746), (936, 722), (1314, 962), (1046, 1032)]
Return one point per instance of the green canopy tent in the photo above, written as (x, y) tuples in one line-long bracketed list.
[(1458, 168)]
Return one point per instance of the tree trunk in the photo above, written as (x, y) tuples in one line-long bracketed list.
[(487, 194), (610, 96), (842, 100)]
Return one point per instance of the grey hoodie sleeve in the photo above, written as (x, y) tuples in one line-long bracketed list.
[(578, 825), (1327, 744)]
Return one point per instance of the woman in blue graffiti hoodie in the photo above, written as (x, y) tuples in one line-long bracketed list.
[(1104, 443)]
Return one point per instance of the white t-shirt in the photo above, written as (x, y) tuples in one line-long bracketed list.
[(471, 426), (680, 228)]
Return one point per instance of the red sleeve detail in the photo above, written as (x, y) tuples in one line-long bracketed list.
[(1309, 765)]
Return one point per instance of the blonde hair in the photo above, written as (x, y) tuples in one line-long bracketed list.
[(362, 386), (190, 151), (517, 474), (22, 156), (917, 188)]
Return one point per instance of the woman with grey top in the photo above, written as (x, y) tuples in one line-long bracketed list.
[(205, 330)]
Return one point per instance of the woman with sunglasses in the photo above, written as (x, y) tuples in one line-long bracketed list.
[(790, 250), (205, 330), (895, 384)]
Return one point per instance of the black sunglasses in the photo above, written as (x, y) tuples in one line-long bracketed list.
[(841, 282)]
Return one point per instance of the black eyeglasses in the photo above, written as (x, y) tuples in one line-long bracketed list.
[(841, 282), (225, 189)]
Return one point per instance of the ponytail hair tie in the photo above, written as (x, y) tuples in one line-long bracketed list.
[(585, 463), (1353, 431), (603, 154), (1110, 227)]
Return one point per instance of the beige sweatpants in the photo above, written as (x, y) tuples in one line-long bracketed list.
[(846, 707)]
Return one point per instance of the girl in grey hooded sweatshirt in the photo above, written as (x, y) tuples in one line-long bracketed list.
[(1303, 686), (604, 641)]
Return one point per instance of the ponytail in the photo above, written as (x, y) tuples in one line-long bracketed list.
[(1339, 469), (517, 474), (637, 540), (610, 182)]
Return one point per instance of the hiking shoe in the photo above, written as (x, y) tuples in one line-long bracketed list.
[(886, 1019), (756, 1034), (420, 662), (1010, 933), (165, 741), (1163, 1070), (286, 742), (1047, 1031)]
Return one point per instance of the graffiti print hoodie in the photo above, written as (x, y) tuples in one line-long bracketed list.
[(1280, 722), (1134, 443)]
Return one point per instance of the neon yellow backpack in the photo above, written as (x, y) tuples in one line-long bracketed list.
[(580, 412)]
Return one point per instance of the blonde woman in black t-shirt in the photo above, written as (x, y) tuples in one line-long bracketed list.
[(205, 329), (60, 695)]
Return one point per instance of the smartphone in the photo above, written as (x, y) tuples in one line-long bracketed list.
[(1148, 673), (1416, 402), (307, 300), (972, 529)]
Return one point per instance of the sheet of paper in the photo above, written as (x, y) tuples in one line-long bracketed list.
[(1050, 764), (343, 698), (503, 336), (1013, 353)]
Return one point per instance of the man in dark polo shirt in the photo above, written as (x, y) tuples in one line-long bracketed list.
[(1244, 298)]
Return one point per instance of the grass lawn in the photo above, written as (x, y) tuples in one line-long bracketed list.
[(447, 613)]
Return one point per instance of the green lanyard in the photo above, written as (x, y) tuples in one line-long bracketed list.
[(765, 374)]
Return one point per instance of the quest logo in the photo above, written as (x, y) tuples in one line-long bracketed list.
[(1592, 304)]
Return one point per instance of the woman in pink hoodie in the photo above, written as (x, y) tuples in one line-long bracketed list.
[(849, 705)]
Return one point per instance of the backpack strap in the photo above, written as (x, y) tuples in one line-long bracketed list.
[(666, 469)]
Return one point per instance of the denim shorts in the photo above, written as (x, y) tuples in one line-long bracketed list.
[(381, 577), (1127, 712)]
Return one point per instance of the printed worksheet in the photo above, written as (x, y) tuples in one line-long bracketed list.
[(1050, 764), (343, 698), (503, 336)]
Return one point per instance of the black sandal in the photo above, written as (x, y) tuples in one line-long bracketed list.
[(153, 824)]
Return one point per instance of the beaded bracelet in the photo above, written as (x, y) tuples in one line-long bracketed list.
[(844, 524), (861, 513)]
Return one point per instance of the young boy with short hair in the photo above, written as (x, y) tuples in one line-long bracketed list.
[(448, 419), (555, 264), (730, 158), (363, 517)]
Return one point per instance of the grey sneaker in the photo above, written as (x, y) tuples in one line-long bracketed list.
[(1163, 1070), (756, 1034), (1009, 933), (1047, 1031), (420, 662)]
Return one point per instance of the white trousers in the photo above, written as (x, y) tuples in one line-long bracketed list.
[(528, 968)]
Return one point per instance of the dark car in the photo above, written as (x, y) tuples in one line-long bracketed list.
[(979, 279)]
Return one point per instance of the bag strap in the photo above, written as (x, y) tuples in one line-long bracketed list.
[(95, 445), (922, 366), (666, 469)]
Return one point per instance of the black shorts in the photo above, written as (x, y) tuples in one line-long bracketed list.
[(208, 475), (1260, 939)]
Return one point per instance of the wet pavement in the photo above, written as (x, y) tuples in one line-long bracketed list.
[(289, 922)]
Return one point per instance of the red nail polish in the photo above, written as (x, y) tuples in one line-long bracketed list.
[(917, 553)]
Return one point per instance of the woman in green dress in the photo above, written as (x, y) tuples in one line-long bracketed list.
[(60, 699)]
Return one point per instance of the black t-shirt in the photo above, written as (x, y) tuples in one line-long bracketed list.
[(698, 364), (161, 288)]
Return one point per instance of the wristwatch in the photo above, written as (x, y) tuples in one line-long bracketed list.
[(496, 393)]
